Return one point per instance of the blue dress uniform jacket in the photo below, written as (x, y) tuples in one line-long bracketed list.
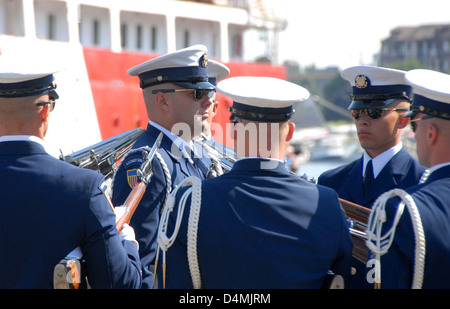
[(402, 171), (262, 229), (47, 209), (145, 220), (432, 201)]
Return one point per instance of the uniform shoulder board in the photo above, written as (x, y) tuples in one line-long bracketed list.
[(105, 189), (103, 186)]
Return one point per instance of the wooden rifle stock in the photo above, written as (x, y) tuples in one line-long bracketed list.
[(361, 215), (355, 211), (131, 203)]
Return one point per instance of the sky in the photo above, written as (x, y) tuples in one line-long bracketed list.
[(344, 33)]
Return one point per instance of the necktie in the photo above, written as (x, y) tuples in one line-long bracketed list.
[(197, 163), (368, 177), (201, 167)]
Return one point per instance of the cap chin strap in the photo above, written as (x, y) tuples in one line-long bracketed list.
[(380, 244), (12, 93), (165, 242), (381, 97), (172, 79)]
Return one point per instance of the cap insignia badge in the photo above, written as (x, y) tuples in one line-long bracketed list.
[(361, 81), (203, 61)]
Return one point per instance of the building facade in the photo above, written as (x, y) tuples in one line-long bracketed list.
[(427, 44)]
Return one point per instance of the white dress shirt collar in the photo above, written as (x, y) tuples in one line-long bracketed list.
[(381, 160)]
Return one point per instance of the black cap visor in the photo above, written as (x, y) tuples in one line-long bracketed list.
[(193, 85), (373, 104)]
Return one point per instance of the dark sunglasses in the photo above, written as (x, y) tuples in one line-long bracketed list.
[(198, 93), (375, 113), (414, 124), (51, 102)]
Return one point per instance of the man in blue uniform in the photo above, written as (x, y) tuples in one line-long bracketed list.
[(216, 72), (257, 226), (48, 207), (380, 98), (177, 94), (403, 266)]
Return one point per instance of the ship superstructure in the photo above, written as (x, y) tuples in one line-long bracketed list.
[(97, 41)]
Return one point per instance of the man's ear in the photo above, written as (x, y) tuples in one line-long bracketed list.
[(162, 102), (215, 107), (45, 112), (431, 133), (291, 131)]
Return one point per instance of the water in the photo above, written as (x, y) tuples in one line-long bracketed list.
[(341, 146)]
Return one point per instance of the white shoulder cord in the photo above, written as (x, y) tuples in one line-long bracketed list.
[(165, 242), (380, 244), (194, 214), (166, 173)]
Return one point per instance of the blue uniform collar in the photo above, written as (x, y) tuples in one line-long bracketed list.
[(181, 143), (23, 138), (8, 138), (438, 166), (260, 164)]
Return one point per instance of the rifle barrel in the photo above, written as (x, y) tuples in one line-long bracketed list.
[(102, 156)]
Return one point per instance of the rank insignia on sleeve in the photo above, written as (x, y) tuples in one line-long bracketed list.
[(109, 200), (132, 178)]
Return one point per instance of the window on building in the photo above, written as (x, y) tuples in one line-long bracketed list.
[(425, 48), (96, 32), (186, 38), (11, 18), (51, 27), (446, 66), (124, 35), (80, 32), (446, 46), (433, 49), (215, 43), (237, 46), (401, 50), (139, 37), (95, 26), (154, 38), (413, 49)]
